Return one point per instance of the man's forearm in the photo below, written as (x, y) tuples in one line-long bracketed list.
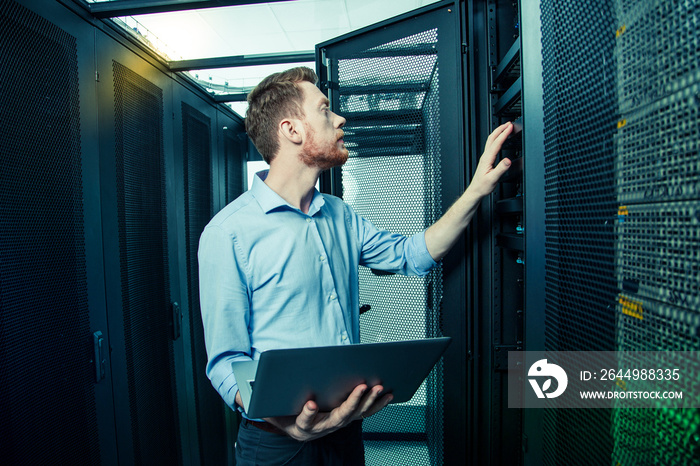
[(441, 236)]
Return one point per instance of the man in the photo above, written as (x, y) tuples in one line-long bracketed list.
[(279, 267)]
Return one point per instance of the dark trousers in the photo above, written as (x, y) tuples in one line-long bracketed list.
[(258, 447)]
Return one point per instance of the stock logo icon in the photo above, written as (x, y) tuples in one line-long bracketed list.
[(542, 369)]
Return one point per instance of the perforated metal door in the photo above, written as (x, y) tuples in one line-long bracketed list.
[(143, 258), (392, 179), (657, 233), (209, 408), (390, 88), (622, 199), (47, 395)]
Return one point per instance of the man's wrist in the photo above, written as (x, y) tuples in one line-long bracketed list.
[(475, 193)]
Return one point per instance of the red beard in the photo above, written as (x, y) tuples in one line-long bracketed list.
[(324, 157)]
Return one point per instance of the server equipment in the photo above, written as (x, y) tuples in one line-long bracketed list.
[(111, 166)]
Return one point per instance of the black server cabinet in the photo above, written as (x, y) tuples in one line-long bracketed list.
[(136, 208), (56, 398), (580, 205), (196, 149), (621, 196), (606, 93), (111, 166), (398, 84), (504, 80)]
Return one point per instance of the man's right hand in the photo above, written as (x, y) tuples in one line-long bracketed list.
[(311, 424)]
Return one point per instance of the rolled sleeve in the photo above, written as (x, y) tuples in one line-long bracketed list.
[(417, 254), (392, 252)]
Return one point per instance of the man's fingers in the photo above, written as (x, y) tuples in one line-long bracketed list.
[(370, 399), (355, 398), (502, 168), (493, 146), (501, 132), (503, 136), (378, 405), (350, 406), (494, 134), (373, 402), (305, 419), (498, 137), (310, 424)]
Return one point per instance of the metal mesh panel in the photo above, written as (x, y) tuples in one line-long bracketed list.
[(653, 326), (580, 116), (657, 51), (209, 408), (389, 96), (634, 69), (141, 209), (46, 380), (658, 149), (654, 435), (658, 252), (658, 244), (579, 176)]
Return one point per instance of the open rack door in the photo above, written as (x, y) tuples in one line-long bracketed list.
[(398, 84)]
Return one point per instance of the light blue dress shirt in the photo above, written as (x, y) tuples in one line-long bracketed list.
[(272, 277)]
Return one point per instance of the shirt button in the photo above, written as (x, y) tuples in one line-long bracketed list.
[(308, 220), (322, 258), (333, 296), (344, 337)]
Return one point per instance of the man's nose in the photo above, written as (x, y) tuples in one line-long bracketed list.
[(341, 121)]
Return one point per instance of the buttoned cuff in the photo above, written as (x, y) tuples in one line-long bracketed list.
[(226, 386)]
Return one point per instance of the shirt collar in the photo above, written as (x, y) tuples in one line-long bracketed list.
[(269, 200)]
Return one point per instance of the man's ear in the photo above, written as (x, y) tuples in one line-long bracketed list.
[(292, 130)]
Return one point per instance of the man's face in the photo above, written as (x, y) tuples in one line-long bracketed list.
[(323, 145)]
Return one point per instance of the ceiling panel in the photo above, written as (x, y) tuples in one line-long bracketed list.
[(287, 26), (265, 28), (312, 14)]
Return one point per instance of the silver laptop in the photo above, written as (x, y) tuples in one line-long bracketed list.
[(282, 381)]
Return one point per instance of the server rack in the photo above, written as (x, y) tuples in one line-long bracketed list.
[(621, 171), (398, 84), (508, 223), (609, 172), (657, 168), (518, 226), (495, 294), (108, 173), (50, 269)]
